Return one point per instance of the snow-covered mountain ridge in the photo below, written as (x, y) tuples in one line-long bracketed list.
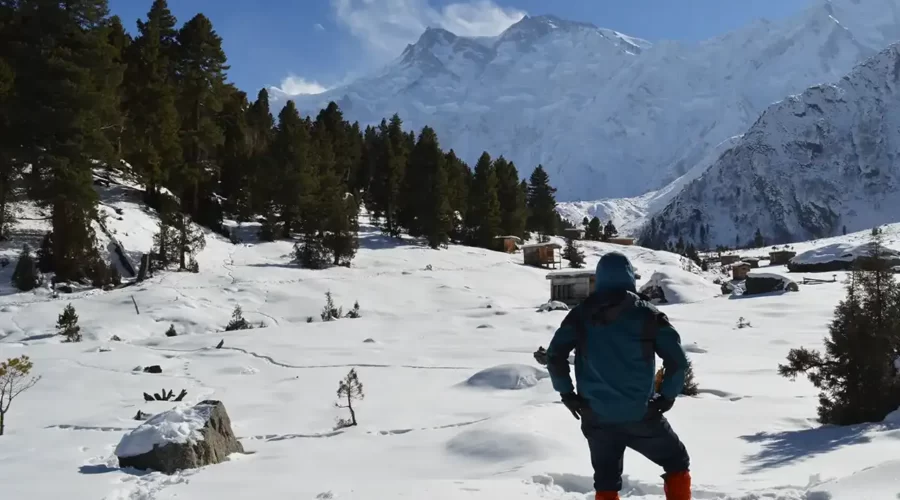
[(591, 104), (813, 165)]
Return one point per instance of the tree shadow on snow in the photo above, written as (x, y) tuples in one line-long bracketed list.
[(782, 448), (105, 469), (377, 241), (283, 265)]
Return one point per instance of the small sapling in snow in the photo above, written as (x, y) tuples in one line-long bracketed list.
[(237, 321), (329, 312), (350, 389), (14, 380), (67, 325)]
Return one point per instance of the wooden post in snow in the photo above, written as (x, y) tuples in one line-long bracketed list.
[(135, 305)]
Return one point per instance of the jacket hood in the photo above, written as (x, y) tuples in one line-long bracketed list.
[(615, 273)]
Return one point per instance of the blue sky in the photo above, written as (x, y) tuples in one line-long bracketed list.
[(307, 45)]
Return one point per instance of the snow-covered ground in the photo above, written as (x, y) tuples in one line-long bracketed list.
[(434, 424)]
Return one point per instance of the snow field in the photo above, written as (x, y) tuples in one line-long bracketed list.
[(424, 431)]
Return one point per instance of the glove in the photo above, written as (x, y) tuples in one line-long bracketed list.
[(658, 405), (574, 403), (541, 356)]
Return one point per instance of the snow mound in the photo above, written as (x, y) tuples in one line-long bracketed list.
[(510, 377), (179, 425), (676, 286), (496, 445), (553, 305), (879, 481)]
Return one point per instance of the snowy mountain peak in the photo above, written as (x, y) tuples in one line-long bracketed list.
[(588, 102), (813, 165)]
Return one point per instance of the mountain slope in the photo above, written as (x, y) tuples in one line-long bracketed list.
[(630, 214), (590, 103), (813, 165)]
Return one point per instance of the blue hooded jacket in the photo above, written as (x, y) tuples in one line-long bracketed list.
[(616, 336)]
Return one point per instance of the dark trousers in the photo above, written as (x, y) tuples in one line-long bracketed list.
[(653, 438)]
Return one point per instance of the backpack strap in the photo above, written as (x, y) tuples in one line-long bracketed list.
[(648, 336), (593, 312)]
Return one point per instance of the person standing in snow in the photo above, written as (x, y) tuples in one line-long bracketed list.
[(616, 335)]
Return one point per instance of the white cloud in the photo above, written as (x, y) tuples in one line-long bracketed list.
[(294, 85), (319, 27), (386, 26)]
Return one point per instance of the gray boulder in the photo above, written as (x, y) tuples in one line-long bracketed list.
[(183, 438)]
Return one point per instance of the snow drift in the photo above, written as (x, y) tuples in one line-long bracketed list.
[(507, 377), (675, 286)]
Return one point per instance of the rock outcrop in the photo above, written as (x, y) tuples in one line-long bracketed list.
[(183, 438)]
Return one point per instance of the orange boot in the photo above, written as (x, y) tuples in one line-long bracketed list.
[(678, 486), (607, 495)]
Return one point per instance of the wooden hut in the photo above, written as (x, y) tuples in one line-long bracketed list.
[(543, 255), (508, 244), (781, 257), (574, 233), (571, 286), (621, 241), (740, 270), (727, 260), (753, 261)]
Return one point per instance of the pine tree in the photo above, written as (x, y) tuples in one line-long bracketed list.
[(594, 230), (390, 165), (459, 178), (189, 240), (609, 231), (310, 252), (235, 154), (120, 41), (426, 210), (151, 143), (200, 71), (237, 321), (573, 254), (350, 389), (330, 312), (292, 160), (758, 240), (484, 216), (542, 217), (856, 373), (25, 276), (341, 221), (165, 242), (258, 193), (10, 140), (513, 208), (65, 96), (67, 325)]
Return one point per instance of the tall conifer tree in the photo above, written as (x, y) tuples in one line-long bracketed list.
[(65, 96), (484, 215), (542, 216)]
